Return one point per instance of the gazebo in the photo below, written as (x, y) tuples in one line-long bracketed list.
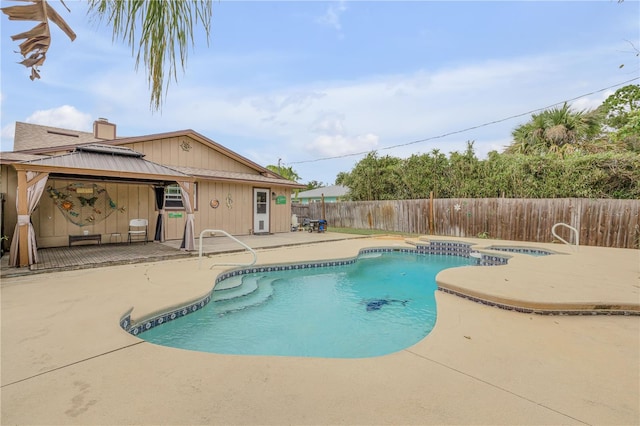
[(93, 162)]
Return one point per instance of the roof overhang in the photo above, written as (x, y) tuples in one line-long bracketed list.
[(238, 177), (103, 166)]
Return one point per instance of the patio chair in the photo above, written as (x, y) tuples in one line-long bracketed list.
[(138, 230)]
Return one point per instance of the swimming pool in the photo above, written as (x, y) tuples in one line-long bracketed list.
[(378, 304)]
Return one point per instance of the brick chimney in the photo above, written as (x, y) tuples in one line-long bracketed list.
[(102, 129)]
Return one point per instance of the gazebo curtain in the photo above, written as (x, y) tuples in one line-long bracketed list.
[(159, 191), (188, 239), (34, 192)]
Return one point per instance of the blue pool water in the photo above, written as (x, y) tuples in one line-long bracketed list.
[(381, 304)]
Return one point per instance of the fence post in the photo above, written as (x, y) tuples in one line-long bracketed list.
[(576, 218), (431, 213)]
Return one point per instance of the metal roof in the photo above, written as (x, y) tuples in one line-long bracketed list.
[(236, 176), (328, 191), (109, 162)]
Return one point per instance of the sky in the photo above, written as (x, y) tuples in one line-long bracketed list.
[(317, 85)]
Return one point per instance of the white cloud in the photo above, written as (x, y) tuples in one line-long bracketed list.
[(591, 102), (331, 123), (66, 117), (336, 145), (295, 102), (332, 15), (332, 118), (6, 137)]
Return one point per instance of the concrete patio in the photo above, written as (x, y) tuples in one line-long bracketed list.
[(65, 360)]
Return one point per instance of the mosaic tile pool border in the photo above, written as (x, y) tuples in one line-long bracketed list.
[(448, 248), (462, 249), (550, 312), (522, 250)]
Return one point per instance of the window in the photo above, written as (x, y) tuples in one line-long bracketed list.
[(173, 197)]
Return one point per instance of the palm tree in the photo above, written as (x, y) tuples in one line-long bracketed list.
[(558, 130), (165, 29)]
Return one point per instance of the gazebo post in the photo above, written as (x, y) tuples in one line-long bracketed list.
[(23, 230)]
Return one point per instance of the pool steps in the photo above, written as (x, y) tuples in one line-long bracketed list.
[(229, 283), (248, 284), (258, 290)]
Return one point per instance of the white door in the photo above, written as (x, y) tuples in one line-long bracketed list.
[(260, 211)]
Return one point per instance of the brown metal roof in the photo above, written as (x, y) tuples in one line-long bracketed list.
[(236, 176), (110, 164)]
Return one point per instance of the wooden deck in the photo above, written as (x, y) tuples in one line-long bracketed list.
[(91, 256), (82, 256)]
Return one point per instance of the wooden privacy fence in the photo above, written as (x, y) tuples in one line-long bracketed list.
[(601, 222)]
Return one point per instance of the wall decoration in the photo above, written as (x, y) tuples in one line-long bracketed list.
[(281, 199), (229, 201), (214, 203), (186, 146), (83, 203)]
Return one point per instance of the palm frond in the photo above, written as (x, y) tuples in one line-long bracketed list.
[(38, 39), (158, 33)]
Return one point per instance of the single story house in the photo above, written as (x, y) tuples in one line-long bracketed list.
[(58, 183), (331, 194)]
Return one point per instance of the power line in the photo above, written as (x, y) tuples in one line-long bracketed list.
[(455, 132)]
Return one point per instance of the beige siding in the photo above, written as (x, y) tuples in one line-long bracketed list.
[(236, 219), (281, 213), (8, 184), (174, 152), (52, 227), (235, 216)]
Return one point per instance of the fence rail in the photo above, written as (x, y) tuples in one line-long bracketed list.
[(601, 222)]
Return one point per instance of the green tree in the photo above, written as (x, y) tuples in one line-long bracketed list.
[(341, 178), (465, 173), (557, 130), (156, 31), (621, 112), (314, 184), (373, 178), (285, 172), (425, 173), (611, 174), (618, 108), (628, 135)]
